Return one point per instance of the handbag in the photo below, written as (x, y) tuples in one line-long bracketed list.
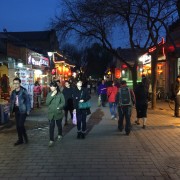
[(84, 105)]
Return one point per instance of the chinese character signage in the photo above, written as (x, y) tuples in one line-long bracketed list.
[(27, 81), (37, 59)]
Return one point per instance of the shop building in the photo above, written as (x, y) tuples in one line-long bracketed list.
[(62, 67), (173, 55), (121, 71)]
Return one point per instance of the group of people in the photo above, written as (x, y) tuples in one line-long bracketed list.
[(121, 100), (59, 103)]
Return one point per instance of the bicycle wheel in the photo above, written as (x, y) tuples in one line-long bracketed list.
[(171, 104)]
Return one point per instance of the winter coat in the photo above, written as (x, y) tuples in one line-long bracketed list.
[(111, 93), (102, 89), (80, 95), (55, 106), (133, 99), (37, 89), (68, 95), (141, 95), (23, 100)]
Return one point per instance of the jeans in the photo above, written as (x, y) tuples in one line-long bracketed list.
[(177, 105), (125, 112), (112, 107), (103, 99), (52, 126), (81, 121), (20, 120), (38, 100), (66, 114)]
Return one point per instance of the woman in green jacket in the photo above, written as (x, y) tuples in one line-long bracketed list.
[(55, 102)]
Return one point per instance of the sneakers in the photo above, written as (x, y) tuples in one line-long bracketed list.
[(137, 122), (115, 119), (112, 117), (26, 139), (51, 143), (18, 142), (59, 138), (83, 135), (78, 135)]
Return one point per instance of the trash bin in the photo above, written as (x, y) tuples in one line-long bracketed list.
[(4, 112)]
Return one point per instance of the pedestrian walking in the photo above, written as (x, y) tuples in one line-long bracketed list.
[(20, 105), (68, 95), (141, 95), (37, 93), (55, 102), (60, 85), (125, 99), (176, 94), (80, 95), (102, 91), (111, 94)]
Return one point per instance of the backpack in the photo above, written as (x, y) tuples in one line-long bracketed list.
[(125, 96)]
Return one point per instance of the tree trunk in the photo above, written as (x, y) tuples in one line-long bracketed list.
[(154, 78), (134, 75)]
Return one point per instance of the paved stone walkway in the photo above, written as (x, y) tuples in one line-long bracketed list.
[(153, 153)]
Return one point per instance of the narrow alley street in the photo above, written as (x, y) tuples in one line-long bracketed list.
[(106, 153)]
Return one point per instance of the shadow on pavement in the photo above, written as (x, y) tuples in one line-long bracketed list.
[(94, 119)]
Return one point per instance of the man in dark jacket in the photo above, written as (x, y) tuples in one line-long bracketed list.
[(177, 96), (125, 99), (21, 106), (68, 95)]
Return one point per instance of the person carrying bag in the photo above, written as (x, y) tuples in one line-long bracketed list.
[(81, 108)]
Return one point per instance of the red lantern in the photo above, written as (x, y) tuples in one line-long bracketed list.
[(117, 73)]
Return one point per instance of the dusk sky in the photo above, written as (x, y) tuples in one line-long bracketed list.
[(26, 15), (35, 15)]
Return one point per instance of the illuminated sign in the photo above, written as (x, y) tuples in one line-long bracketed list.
[(145, 59), (37, 59)]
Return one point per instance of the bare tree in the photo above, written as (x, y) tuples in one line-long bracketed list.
[(145, 20)]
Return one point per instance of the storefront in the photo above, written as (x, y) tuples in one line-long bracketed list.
[(4, 83), (145, 61), (62, 70), (41, 72)]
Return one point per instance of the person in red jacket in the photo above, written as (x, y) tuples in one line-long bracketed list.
[(111, 94)]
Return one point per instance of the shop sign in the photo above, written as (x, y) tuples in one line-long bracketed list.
[(27, 81), (145, 59), (38, 61)]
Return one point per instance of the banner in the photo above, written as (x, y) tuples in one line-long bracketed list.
[(27, 81)]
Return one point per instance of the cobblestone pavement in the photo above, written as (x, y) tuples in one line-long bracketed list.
[(106, 153)]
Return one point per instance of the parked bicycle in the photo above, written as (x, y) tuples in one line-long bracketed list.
[(159, 95), (170, 102)]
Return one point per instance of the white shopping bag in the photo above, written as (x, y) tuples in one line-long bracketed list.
[(74, 118)]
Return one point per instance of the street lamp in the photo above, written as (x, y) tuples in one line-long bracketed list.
[(50, 54)]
